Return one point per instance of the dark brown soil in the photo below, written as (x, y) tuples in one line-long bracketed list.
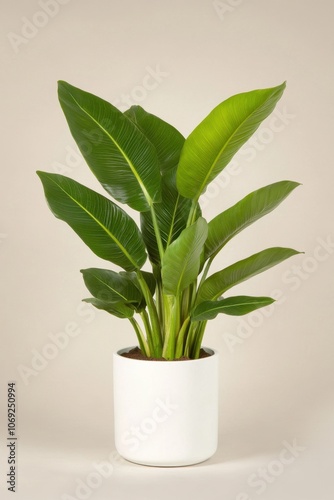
[(136, 353)]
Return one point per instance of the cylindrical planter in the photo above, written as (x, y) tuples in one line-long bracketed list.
[(166, 412)]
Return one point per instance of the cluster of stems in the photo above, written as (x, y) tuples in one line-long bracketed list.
[(169, 331)]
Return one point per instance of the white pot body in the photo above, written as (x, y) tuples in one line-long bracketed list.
[(166, 412)]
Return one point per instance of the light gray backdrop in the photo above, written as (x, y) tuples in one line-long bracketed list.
[(178, 59)]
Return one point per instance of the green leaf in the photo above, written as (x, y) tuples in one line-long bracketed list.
[(167, 141), (173, 210), (110, 286), (181, 262), (148, 277), (251, 208), (213, 143), (217, 284), (117, 309), (234, 306), (119, 155), (172, 215), (108, 231)]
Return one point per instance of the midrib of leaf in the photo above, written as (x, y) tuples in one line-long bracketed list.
[(111, 288), (224, 147), (181, 275), (239, 229), (236, 305), (118, 243), (132, 167), (170, 234)]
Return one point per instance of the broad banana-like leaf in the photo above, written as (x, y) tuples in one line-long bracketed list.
[(148, 277), (107, 230), (217, 284), (172, 215), (234, 306), (173, 210), (251, 208), (213, 143), (110, 286), (181, 262), (167, 141), (117, 309), (119, 155)]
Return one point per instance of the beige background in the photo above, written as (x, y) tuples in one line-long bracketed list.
[(277, 376)]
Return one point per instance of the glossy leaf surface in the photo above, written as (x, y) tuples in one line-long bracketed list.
[(251, 208), (213, 143), (234, 306), (181, 261), (119, 155), (217, 284), (108, 231)]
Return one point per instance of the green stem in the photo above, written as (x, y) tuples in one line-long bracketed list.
[(141, 337), (155, 323), (206, 270), (190, 337), (157, 233), (192, 213), (148, 329), (172, 325), (198, 340), (180, 338)]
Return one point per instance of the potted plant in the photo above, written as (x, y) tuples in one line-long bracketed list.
[(166, 388)]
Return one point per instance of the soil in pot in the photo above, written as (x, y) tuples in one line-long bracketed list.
[(136, 353)]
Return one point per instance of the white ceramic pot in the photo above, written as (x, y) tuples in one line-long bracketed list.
[(166, 412)]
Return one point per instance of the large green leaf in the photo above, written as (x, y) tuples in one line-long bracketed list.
[(234, 306), (147, 276), (173, 210), (251, 208), (181, 260), (117, 309), (212, 144), (110, 286), (167, 141), (117, 152), (217, 284), (108, 231), (172, 215)]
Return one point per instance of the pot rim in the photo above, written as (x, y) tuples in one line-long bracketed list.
[(211, 351)]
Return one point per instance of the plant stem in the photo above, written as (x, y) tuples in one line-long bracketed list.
[(180, 338), (157, 233), (190, 337), (155, 323), (140, 336), (172, 325), (148, 329), (206, 270), (198, 340), (192, 213)]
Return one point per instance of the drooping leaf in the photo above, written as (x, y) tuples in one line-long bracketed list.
[(251, 208), (173, 210), (117, 309), (234, 306), (181, 262), (110, 286), (217, 284), (120, 156), (108, 231), (213, 143)]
